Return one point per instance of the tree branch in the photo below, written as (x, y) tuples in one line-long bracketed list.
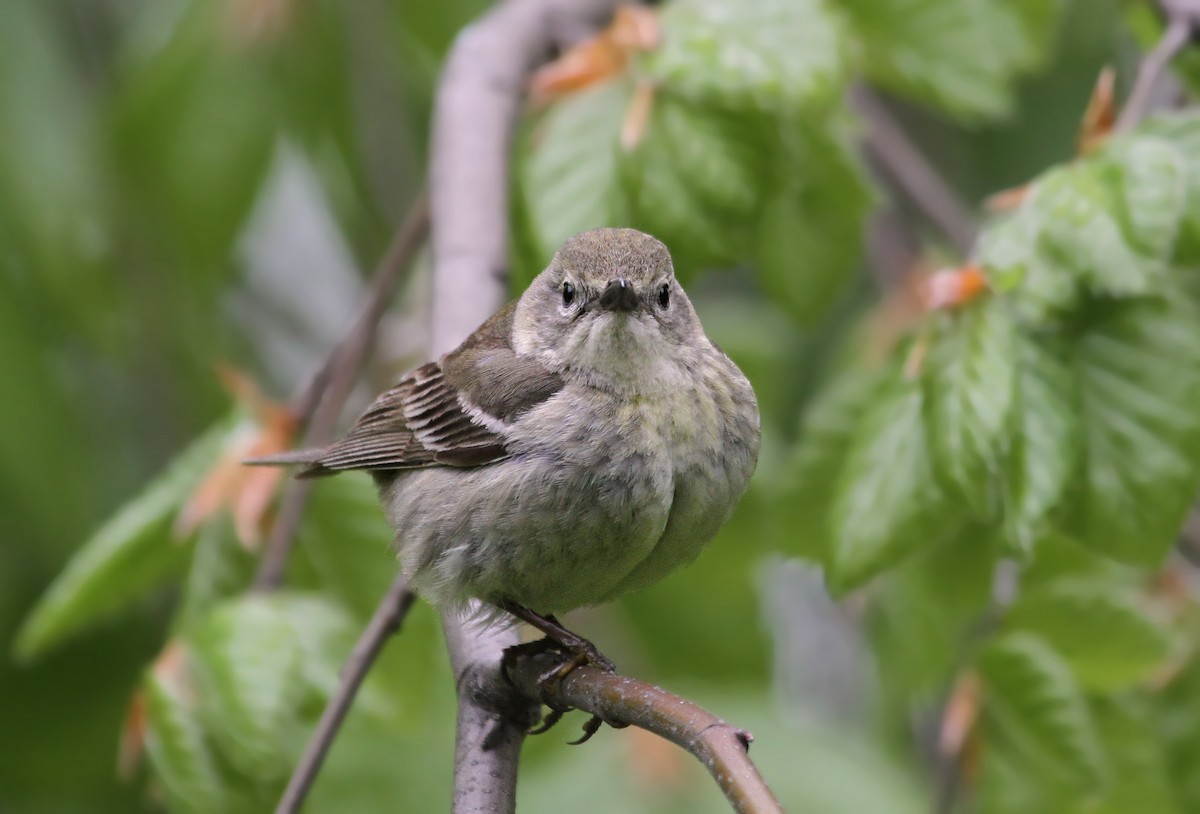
[(320, 403), (1182, 18), (477, 105), (890, 147), (388, 618), (622, 701)]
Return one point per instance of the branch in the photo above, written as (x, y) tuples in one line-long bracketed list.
[(478, 102), (320, 404), (895, 153), (1182, 17), (387, 620), (621, 701)]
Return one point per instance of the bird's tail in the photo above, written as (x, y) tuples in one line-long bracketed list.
[(310, 459)]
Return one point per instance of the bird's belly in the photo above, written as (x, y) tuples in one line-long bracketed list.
[(549, 535)]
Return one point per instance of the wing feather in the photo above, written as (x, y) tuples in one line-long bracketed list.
[(447, 413)]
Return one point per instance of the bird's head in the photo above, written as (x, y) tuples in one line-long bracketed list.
[(608, 307)]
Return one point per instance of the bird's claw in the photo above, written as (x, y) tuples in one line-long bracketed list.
[(577, 653)]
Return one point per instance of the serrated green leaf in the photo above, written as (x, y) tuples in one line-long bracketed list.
[(249, 666), (1098, 628), (567, 174), (128, 555), (1031, 694), (179, 752), (1105, 226), (887, 503), (810, 232), (1182, 130), (970, 376), (1081, 232), (826, 434), (962, 56), (1010, 253), (680, 203), (1153, 187), (1045, 442), (1139, 376), (770, 55)]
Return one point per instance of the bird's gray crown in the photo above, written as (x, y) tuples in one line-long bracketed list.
[(600, 255)]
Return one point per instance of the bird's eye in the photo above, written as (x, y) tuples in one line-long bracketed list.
[(664, 295), (568, 292)]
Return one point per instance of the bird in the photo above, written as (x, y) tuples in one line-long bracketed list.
[(584, 442)]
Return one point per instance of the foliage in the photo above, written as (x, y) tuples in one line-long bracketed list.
[(1037, 432)]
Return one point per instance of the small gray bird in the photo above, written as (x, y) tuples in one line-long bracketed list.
[(583, 442)]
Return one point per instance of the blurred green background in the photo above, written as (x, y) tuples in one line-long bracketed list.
[(187, 183)]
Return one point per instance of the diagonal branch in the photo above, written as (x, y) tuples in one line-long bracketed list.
[(388, 618), (622, 701), (320, 404), (912, 172), (1183, 16)]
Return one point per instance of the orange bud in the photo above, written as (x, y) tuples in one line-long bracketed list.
[(952, 287), (598, 58), (1100, 114)]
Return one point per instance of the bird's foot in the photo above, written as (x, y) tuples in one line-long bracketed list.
[(575, 651)]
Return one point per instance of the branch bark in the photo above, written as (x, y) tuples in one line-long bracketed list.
[(890, 147), (320, 403), (1183, 17), (622, 701), (387, 619), (477, 105)]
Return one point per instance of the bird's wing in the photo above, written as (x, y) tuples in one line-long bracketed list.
[(448, 413)]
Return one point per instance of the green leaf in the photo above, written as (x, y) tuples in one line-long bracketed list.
[(127, 556), (970, 376), (1081, 232), (1105, 226), (1153, 188), (1032, 696), (887, 503), (348, 543), (1182, 131), (810, 232), (1014, 261), (768, 55), (962, 56), (196, 182), (1045, 442), (568, 171), (179, 752), (1098, 628), (826, 434), (247, 663), (1139, 375), (694, 181), (221, 567)]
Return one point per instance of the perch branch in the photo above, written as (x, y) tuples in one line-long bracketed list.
[(478, 101), (622, 701), (386, 621), (320, 403)]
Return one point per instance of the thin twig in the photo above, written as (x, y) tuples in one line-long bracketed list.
[(1181, 17), (892, 149), (326, 395), (388, 618), (623, 701)]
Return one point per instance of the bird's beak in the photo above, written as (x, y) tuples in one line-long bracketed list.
[(619, 296)]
